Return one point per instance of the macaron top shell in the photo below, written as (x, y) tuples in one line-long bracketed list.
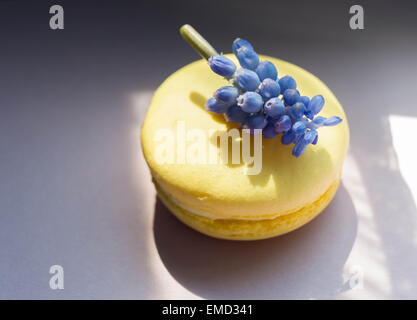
[(225, 190)]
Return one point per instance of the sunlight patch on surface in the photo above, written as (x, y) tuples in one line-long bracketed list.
[(164, 286), (403, 131), (367, 259)]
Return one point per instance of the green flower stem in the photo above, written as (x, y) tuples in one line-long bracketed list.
[(196, 41)]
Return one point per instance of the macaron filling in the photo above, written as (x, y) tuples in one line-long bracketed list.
[(212, 216), (242, 229)]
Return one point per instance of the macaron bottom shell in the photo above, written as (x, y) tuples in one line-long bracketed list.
[(246, 230)]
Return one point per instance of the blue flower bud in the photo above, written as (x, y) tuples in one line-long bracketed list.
[(274, 107), (287, 82), (299, 127), (317, 122), (226, 94), (288, 137), (291, 96), (222, 66), (250, 102), (297, 110), (305, 100), (309, 114), (316, 104), (248, 58), (332, 121), (298, 136), (266, 69), (255, 121), (269, 89), (310, 136), (269, 131), (235, 114), (283, 124), (299, 148), (215, 106), (240, 43), (316, 139), (247, 79)]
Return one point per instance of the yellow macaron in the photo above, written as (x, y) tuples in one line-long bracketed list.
[(221, 199)]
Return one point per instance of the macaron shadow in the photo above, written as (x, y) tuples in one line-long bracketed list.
[(306, 263), (273, 151), (200, 100)]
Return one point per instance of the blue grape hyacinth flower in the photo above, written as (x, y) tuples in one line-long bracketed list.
[(235, 114), (274, 107), (305, 100), (317, 122), (267, 69), (297, 110), (310, 136), (269, 89), (291, 96), (299, 147), (288, 137), (287, 82), (283, 124), (215, 106), (299, 127), (240, 43), (269, 131), (222, 65), (247, 79), (257, 99), (250, 102), (227, 94), (248, 58), (255, 121), (315, 105), (332, 121)]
